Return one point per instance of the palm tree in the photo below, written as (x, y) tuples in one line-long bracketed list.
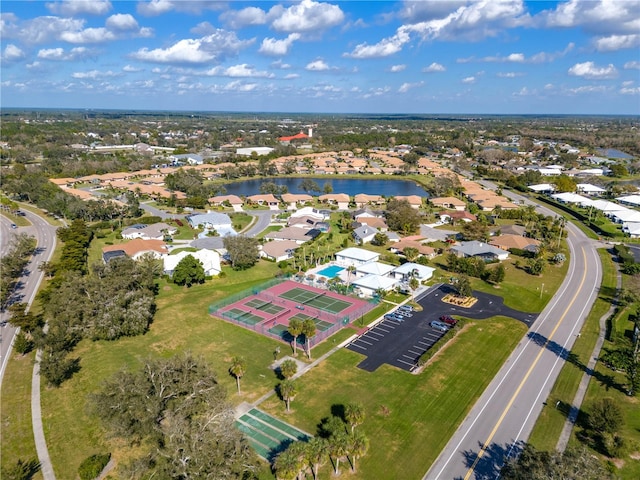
[(288, 368), (350, 270), (413, 285), (288, 391), (308, 330), (295, 329), (316, 454), (286, 465), (298, 451), (411, 253), (338, 447), (238, 369), (354, 414), (358, 446)]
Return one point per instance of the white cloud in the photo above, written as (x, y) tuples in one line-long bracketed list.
[(384, 48), (630, 90), (317, 66), (59, 54), (214, 47), (591, 71), (397, 68), (131, 69), (12, 53), (74, 7), (588, 89), (306, 16), (275, 47), (121, 22), (89, 35), (41, 29), (280, 64), (291, 76), (469, 80), (405, 87), (509, 74), (193, 7), (236, 19), (434, 67), (239, 86), (617, 42), (633, 64), (93, 74), (239, 71), (597, 16)]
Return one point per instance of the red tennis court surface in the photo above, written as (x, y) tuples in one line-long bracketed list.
[(268, 311)]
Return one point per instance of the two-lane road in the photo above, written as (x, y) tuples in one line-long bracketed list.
[(45, 235), (505, 414)]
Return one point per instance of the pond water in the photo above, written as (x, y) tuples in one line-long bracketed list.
[(613, 153), (350, 186)]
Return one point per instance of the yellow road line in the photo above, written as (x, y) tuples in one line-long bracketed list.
[(524, 380)]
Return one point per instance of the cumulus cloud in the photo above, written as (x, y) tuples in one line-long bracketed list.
[(405, 87), (61, 55), (239, 71), (434, 68), (75, 7), (588, 89), (591, 71), (40, 29), (630, 90), (275, 47), (384, 48), (397, 68), (617, 42), (214, 47), (291, 76), (509, 74), (193, 7), (317, 66), (306, 16), (93, 74), (122, 22), (246, 17), (280, 64), (471, 79), (131, 69), (633, 64), (540, 57), (598, 16), (12, 53)]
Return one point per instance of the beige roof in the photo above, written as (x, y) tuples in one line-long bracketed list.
[(412, 199), (444, 201), (336, 197), (293, 197), (278, 249), (513, 241), (138, 245), (268, 198), (232, 199), (422, 249)]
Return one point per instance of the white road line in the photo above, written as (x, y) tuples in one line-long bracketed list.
[(371, 332), (364, 341), (356, 345), (402, 361)]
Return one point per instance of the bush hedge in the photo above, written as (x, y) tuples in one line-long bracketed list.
[(426, 356), (91, 467)]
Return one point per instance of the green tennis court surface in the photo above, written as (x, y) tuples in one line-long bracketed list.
[(267, 435), (316, 300), (244, 317), (321, 325), (278, 329), (263, 306)]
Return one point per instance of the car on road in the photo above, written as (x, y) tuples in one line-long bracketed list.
[(403, 313), (449, 320), (439, 326), (393, 316), (20, 213), (406, 308), (14, 226)]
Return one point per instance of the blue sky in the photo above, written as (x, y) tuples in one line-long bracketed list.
[(493, 56)]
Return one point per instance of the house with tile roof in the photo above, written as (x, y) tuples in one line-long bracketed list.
[(483, 250), (452, 203), (135, 249)]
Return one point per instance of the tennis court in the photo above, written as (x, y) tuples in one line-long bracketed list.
[(317, 300), (321, 325), (244, 317), (267, 435), (263, 306)]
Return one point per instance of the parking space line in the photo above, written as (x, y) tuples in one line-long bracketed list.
[(407, 363), (363, 340), (424, 343), (371, 332), (415, 353), (356, 345)]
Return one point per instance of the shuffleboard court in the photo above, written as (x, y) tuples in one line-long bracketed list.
[(268, 435)]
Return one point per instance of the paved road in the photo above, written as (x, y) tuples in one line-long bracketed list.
[(506, 412), (29, 283)]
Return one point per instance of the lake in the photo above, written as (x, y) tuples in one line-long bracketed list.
[(613, 153), (350, 186)]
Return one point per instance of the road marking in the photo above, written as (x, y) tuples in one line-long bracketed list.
[(526, 377)]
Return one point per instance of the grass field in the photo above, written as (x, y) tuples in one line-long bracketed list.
[(409, 418)]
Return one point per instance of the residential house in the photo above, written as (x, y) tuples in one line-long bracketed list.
[(482, 250), (265, 199), (233, 201), (452, 203), (364, 234), (354, 256), (455, 216), (209, 259), (294, 200), (414, 200), (424, 250), (375, 222), (280, 250), (339, 199), (135, 249), (363, 199), (220, 222), (156, 231), (508, 241), (409, 270), (298, 235)]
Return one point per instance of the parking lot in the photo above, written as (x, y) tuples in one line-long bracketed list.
[(401, 343)]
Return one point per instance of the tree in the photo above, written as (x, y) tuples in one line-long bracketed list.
[(350, 271), (354, 415), (307, 185), (188, 271), (26, 320), (564, 183), (402, 217), (496, 275), (411, 253), (413, 285), (379, 239), (175, 409), (463, 285), (605, 416), (535, 266), (475, 231), (327, 188), (237, 369), (316, 454), (338, 448), (242, 250), (295, 329), (358, 445), (288, 368), (308, 330), (20, 470), (288, 391), (573, 464), (287, 465)]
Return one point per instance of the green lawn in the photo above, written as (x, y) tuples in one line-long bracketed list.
[(409, 418), (269, 229), (240, 220)]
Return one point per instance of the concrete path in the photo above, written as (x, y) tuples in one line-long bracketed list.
[(586, 377), (36, 419)]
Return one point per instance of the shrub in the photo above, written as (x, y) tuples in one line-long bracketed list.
[(22, 344), (91, 467)]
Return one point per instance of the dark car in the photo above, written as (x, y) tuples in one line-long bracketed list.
[(404, 313), (448, 320), (13, 225), (439, 326)]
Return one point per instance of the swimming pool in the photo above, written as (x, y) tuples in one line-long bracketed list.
[(331, 271)]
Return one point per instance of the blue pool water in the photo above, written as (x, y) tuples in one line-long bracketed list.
[(331, 271)]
